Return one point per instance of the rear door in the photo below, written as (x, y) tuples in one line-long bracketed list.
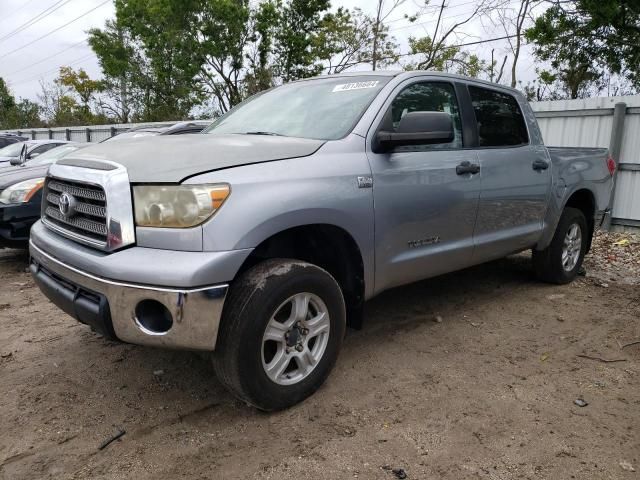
[(516, 177), (424, 210)]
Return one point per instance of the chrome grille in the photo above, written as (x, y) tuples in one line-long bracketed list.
[(88, 218)]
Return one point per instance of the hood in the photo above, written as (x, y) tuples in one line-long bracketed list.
[(172, 159), (12, 175), (6, 159)]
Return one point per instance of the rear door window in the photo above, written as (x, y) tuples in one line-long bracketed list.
[(500, 120)]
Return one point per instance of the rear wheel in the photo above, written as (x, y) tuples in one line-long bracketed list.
[(281, 332), (561, 260)]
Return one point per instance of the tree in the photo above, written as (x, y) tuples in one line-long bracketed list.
[(225, 30), (512, 22), (434, 51), (17, 114), (347, 39), (380, 30), (7, 105), (296, 23), (161, 34), (80, 83), (586, 39), (120, 69), (57, 105)]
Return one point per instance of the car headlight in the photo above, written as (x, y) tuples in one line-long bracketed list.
[(21, 192), (177, 206)]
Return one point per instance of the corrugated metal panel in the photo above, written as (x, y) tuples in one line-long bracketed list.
[(627, 200), (630, 152), (592, 131)]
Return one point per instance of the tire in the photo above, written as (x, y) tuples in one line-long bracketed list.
[(549, 264), (264, 296)]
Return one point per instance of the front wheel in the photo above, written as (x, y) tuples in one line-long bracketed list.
[(281, 332), (561, 260)]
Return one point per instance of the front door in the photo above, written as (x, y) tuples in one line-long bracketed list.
[(425, 210), (516, 177)]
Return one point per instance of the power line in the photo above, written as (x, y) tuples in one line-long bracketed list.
[(463, 14), (42, 15), (55, 30), (18, 10), (47, 59), (38, 76), (467, 44), (434, 12)]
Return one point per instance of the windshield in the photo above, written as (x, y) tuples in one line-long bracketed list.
[(325, 109), (52, 155), (12, 150)]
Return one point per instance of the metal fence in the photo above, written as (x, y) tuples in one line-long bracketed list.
[(583, 123), (92, 133), (597, 122)]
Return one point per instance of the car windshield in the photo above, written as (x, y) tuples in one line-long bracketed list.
[(12, 150), (52, 155), (325, 109)]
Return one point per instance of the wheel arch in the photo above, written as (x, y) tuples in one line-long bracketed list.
[(326, 245), (584, 200)]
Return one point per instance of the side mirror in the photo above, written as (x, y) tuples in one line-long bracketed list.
[(418, 128), (20, 159)]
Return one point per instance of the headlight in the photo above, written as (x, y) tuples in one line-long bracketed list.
[(21, 192), (177, 206)]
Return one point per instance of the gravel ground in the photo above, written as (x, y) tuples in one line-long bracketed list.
[(470, 375)]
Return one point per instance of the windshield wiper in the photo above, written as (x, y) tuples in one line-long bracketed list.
[(264, 133)]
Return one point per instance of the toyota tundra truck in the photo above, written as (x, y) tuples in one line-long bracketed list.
[(259, 240)]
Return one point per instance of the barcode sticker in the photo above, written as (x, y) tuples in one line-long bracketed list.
[(344, 87)]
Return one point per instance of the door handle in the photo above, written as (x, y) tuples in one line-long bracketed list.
[(540, 164), (467, 167)]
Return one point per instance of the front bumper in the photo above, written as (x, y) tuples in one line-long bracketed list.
[(110, 306), (16, 221)]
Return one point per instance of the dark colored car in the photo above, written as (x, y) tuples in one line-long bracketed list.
[(21, 194), (9, 138)]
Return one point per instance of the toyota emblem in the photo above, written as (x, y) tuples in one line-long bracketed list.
[(66, 204)]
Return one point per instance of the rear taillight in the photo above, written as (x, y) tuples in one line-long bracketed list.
[(611, 165)]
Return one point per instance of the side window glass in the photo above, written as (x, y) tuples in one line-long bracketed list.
[(44, 148), (500, 120), (427, 97)]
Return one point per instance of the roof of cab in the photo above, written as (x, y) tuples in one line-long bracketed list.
[(413, 73)]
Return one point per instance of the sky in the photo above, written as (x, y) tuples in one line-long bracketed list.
[(39, 36)]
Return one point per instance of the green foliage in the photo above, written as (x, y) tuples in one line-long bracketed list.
[(586, 39), (7, 104), (163, 33), (346, 39), (16, 114), (444, 58), (80, 83)]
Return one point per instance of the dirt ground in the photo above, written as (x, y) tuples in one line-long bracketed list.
[(487, 392)]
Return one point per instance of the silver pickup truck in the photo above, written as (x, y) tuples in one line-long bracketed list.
[(260, 240)]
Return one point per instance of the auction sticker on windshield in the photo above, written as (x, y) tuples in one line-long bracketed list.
[(343, 87)]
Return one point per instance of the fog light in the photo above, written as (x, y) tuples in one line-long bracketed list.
[(153, 317)]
